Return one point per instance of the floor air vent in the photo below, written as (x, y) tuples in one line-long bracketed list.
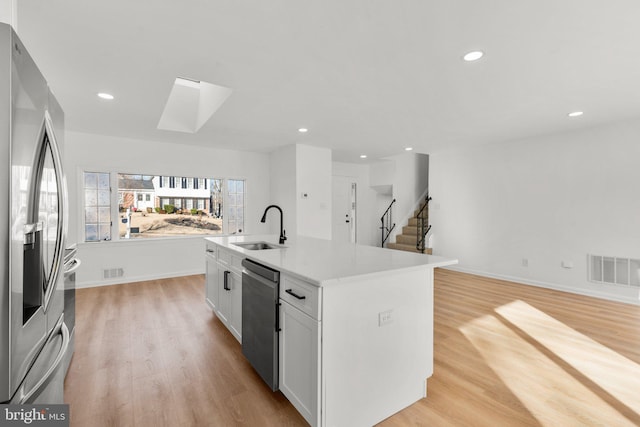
[(614, 270), (110, 273)]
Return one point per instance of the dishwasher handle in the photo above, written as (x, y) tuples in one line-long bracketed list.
[(278, 328)]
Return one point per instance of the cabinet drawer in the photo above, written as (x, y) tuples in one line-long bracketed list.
[(224, 257), (301, 295), (211, 249), (230, 260)]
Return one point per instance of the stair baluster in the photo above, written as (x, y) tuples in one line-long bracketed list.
[(386, 226), (422, 231)]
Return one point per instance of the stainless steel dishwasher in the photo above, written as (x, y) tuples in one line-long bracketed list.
[(260, 322)]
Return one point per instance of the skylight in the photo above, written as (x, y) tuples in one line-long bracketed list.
[(191, 104)]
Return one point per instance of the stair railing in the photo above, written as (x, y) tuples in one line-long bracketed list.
[(387, 226), (423, 229)]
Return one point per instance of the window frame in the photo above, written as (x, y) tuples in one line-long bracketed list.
[(163, 180)]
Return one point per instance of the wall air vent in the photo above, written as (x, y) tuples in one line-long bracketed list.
[(614, 270), (110, 273)]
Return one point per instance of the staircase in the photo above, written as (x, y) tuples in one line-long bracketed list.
[(408, 240)]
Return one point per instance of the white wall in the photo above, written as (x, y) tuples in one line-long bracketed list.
[(297, 169), (367, 214), (313, 178), (283, 190), (548, 199), (163, 257), (9, 13)]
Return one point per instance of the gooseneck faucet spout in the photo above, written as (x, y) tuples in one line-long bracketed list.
[(264, 219)]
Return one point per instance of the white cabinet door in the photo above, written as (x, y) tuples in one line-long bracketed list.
[(299, 361), (224, 294), (212, 282), (235, 315)]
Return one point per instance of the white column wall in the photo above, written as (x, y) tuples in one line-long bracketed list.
[(297, 169), (313, 178), (9, 13)]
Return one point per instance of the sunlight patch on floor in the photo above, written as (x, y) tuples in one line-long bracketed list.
[(614, 373), (551, 394)]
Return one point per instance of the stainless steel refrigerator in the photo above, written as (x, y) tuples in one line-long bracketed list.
[(34, 338)]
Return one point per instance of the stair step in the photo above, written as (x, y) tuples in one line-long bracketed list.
[(414, 222), (407, 239), (410, 229), (407, 248)]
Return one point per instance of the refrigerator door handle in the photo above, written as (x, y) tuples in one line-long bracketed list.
[(61, 328), (72, 266)]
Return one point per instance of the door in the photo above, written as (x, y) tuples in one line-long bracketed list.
[(299, 361), (223, 309), (344, 209), (235, 317), (212, 279)]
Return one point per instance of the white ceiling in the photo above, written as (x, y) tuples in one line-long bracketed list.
[(365, 76)]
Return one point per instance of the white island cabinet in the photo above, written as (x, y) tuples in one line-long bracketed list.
[(224, 287), (356, 339), (299, 366)]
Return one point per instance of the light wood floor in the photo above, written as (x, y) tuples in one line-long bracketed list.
[(153, 354)]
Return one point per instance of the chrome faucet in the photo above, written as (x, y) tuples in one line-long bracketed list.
[(264, 219)]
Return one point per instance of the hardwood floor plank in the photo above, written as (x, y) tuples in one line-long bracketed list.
[(152, 353)]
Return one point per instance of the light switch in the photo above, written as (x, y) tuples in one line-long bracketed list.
[(384, 317)]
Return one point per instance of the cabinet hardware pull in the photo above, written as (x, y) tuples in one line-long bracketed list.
[(278, 317), (225, 285), (210, 250), (290, 292)]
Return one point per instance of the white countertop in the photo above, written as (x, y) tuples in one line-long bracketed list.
[(320, 261)]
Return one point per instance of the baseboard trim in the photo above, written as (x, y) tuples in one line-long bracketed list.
[(131, 279), (547, 285)]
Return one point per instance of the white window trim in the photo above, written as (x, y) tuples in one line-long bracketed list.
[(115, 218)]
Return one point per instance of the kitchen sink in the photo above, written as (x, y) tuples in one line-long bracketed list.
[(258, 246)]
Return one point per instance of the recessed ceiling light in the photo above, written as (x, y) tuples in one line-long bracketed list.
[(473, 56), (408, 149), (363, 156), (104, 95), (303, 130), (575, 114)]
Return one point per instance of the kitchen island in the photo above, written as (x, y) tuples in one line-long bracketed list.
[(356, 338)]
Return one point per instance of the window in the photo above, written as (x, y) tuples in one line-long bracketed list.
[(149, 206), (97, 206), (235, 203), (216, 198)]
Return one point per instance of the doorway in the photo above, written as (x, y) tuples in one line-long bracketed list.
[(344, 208)]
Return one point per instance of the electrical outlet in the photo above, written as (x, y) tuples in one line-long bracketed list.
[(384, 318)]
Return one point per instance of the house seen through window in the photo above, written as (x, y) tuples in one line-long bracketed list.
[(148, 206)]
